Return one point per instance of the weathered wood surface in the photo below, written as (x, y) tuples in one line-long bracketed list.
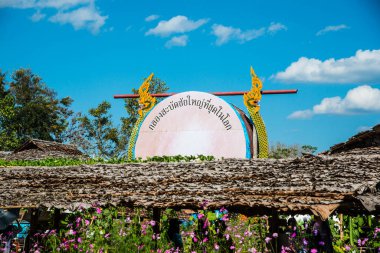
[(319, 184), (36, 154)]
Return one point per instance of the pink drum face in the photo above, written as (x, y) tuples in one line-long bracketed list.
[(193, 123)]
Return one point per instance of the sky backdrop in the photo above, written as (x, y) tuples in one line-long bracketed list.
[(91, 50)]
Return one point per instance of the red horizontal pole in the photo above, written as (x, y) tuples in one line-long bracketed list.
[(228, 93)]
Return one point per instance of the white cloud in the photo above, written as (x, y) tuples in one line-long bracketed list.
[(22, 4), (151, 18), (225, 34), (37, 16), (364, 128), (177, 24), (331, 28), (79, 13), (57, 4), (363, 67), (362, 99), (275, 27), (177, 41), (304, 114), (85, 17)]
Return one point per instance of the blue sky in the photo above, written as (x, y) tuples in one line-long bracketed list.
[(91, 50)]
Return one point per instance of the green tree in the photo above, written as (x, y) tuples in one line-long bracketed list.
[(281, 151), (97, 134), (30, 110), (8, 138)]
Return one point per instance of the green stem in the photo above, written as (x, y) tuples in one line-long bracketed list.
[(351, 232), (370, 221)]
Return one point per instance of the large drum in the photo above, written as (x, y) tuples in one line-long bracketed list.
[(196, 123)]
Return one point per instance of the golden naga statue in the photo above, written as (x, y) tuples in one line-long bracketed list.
[(251, 101), (253, 97), (146, 101)]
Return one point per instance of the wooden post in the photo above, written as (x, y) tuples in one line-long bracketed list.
[(33, 228), (341, 227), (156, 218), (57, 219)]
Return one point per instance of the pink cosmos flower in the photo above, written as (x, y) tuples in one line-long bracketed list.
[(313, 251), (71, 232), (275, 235), (206, 224), (216, 246), (79, 240), (268, 239), (98, 210), (107, 235), (152, 223), (232, 247), (87, 222), (225, 217), (200, 215), (205, 240), (346, 247)]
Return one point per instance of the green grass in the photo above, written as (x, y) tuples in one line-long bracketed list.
[(73, 162)]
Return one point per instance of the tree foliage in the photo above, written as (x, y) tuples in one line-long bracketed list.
[(96, 134), (101, 137), (281, 151), (30, 110)]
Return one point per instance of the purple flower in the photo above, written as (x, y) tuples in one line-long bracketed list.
[(275, 235), (152, 223), (321, 243), (346, 247), (268, 239), (206, 224), (361, 243), (305, 242), (225, 217)]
